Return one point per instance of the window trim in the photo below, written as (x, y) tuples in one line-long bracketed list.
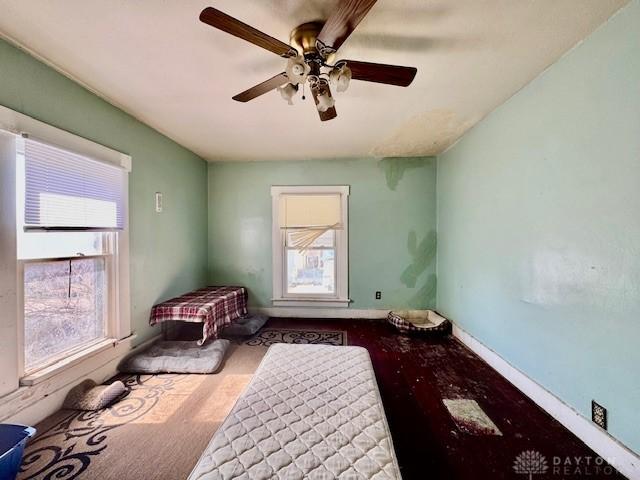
[(68, 360), (23, 125), (341, 296), (86, 348)]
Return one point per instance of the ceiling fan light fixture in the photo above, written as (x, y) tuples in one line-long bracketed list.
[(341, 76), (297, 70), (287, 92), (325, 101), (310, 56)]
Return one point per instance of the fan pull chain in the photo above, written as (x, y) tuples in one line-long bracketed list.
[(303, 97)]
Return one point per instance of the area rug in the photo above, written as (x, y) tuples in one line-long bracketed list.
[(162, 426), (269, 336)]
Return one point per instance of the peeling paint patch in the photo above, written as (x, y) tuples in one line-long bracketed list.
[(564, 277), (394, 168), (423, 254), (426, 296), (426, 134)]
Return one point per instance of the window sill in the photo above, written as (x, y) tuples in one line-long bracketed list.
[(311, 302), (27, 403), (72, 360)]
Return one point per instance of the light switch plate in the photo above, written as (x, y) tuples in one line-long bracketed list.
[(158, 202)]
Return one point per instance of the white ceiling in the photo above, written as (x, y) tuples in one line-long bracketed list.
[(157, 61)]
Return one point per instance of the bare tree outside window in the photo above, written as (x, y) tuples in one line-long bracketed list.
[(64, 307)]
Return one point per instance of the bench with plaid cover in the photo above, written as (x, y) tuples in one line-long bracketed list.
[(214, 307)]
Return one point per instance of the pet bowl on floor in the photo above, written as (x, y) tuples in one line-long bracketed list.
[(419, 321)]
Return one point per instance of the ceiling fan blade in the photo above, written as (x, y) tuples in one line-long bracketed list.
[(226, 23), (381, 73), (262, 88), (343, 21), (329, 113)]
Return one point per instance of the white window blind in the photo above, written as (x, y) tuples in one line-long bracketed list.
[(309, 216), (64, 190), (304, 211)]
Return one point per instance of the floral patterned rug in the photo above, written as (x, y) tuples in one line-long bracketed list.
[(269, 336)]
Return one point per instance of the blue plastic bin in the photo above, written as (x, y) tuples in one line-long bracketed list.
[(13, 439)]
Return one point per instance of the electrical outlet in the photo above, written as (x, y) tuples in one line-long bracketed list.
[(598, 414), (378, 295)]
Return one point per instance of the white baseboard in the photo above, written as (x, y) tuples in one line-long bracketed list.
[(321, 312), (622, 458), (31, 404)]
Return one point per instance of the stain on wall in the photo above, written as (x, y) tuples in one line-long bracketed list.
[(426, 294), (394, 168), (422, 254)]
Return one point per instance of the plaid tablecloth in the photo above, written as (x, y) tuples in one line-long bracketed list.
[(215, 307)]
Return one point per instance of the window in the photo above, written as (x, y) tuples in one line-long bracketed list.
[(72, 252), (65, 306), (311, 270), (310, 246)]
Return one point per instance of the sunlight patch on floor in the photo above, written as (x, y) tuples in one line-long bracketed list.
[(215, 409)]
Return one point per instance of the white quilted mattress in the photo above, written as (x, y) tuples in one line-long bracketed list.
[(310, 411)]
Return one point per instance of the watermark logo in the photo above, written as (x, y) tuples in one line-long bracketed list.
[(530, 463)]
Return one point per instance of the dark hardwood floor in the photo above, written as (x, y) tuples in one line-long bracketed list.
[(416, 374)]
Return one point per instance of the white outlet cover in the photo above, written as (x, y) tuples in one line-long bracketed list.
[(158, 202)]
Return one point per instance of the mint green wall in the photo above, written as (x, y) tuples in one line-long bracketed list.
[(168, 250), (391, 225), (539, 227)]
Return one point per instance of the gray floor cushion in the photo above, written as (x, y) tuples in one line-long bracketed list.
[(178, 357), (89, 396), (246, 326)]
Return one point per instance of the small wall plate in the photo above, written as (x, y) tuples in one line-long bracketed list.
[(598, 414)]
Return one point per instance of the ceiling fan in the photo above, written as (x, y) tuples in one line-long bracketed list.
[(310, 59)]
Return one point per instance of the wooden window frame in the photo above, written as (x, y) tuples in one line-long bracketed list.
[(340, 298)]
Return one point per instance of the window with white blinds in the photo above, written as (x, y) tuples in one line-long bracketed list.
[(65, 190)]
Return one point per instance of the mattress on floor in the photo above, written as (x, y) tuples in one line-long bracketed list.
[(310, 411)]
